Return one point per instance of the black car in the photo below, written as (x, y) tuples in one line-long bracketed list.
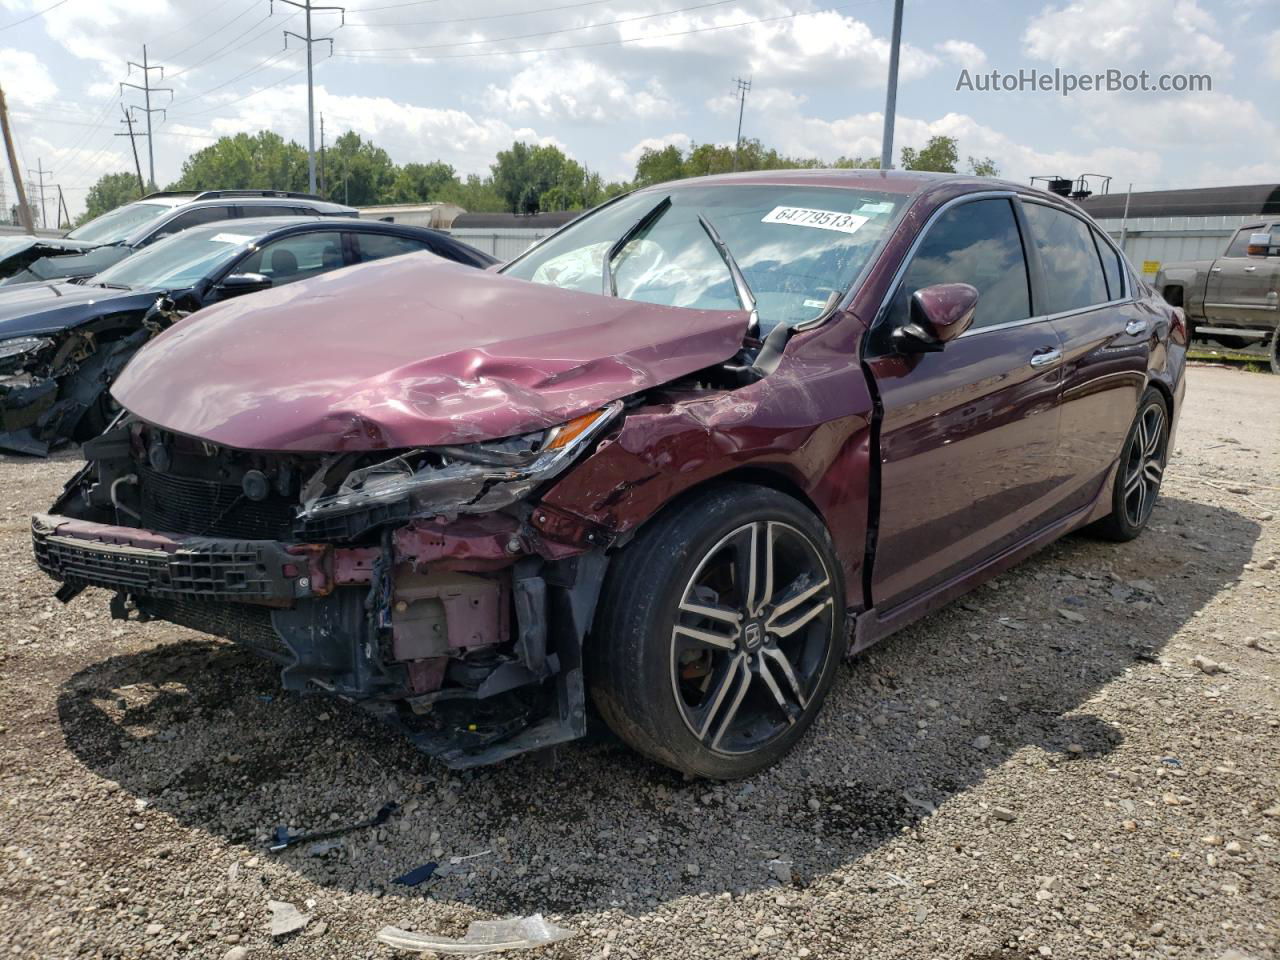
[(63, 343), (92, 247)]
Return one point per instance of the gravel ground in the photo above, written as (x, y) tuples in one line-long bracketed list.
[(1079, 760)]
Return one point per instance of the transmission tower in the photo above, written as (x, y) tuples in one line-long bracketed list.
[(743, 87), (311, 41), (147, 90)]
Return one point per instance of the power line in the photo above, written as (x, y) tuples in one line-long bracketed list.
[(491, 16), (605, 43), (260, 65), (251, 93), (204, 38), (38, 13), (546, 33), (213, 55)]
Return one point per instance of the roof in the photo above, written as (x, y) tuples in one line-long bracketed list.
[(1243, 201), (888, 181), (261, 225)]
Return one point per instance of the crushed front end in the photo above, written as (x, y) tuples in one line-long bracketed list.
[(426, 585)]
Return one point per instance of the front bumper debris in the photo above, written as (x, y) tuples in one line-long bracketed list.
[(457, 633)]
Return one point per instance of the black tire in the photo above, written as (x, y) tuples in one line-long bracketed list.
[(1275, 351), (703, 708), (1143, 459)]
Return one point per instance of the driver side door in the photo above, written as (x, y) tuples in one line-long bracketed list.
[(969, 434)]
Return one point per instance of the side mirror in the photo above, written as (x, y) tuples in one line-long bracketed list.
[(235, 284), (1259, 245), (939, 314)]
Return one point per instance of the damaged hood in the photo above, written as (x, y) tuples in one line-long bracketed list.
[(407, 352), (38, 258), (36, 309)]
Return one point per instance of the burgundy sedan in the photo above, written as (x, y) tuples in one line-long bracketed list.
[(674, 462)]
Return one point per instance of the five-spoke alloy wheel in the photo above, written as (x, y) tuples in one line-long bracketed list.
[(1141, 470), (718, 632)]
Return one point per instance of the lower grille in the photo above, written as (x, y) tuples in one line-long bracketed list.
[(208, 508), (243, 623)]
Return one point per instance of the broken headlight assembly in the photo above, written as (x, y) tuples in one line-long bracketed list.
[(22, 346), (469, 478)]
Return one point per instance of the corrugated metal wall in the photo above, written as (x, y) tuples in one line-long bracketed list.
[(1151, 241), (505, 243)]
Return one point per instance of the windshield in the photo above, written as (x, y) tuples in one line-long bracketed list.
[(177, 261), (115, 225), (796, 246)]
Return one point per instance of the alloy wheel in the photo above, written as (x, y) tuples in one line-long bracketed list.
[(753, 629), (1145, 463)]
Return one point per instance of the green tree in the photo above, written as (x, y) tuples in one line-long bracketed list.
[(422, 182), (475, 194), (983, 167), (938, 155), (857, 163), (111, 190), (524, 175), (358, 172), (659, 166), (261, 161)]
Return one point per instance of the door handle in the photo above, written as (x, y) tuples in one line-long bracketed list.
[(1250, 269), (1135, 328), (1046, 359), (1216, 270)]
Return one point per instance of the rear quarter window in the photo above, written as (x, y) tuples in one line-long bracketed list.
[(1073, 276)]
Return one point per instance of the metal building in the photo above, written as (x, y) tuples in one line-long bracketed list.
[(507, 235)]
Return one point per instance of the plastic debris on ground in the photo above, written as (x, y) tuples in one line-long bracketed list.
[(483, 936), (282, 839), (286, 918), (416, 876)]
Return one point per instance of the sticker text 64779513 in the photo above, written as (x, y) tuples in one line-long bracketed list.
[(821, 219)]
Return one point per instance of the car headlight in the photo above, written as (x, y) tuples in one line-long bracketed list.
[(17, 346), (470, 478)]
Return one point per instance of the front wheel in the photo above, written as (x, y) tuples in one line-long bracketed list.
[(719, 632), (1142, 465)]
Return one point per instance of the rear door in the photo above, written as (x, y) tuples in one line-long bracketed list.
[(969, 435), (190, 218), (1083, 284)]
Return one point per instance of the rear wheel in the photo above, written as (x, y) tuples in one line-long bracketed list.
[(1142, 464), (719, 632), (1275, 351)]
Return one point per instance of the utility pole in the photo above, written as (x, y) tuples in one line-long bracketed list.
[(62, 209), (128, 119), (320, 180), (147, 90), (39, 172), (891, 97), (24, 211), (743, 87), (309, 40)]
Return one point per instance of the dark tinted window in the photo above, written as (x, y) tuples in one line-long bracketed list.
[(976, 243), (192, 218), (1240, 242), (1072, 271), (270, 210), (297, 257), (1111, 266), (375, 246)]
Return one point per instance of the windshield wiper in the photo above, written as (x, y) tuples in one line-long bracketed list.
[(609, 285), (112, 286), (740, 285)]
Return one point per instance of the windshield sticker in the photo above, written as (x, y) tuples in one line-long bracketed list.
[(820, 219), (230, 238), (884, 206)]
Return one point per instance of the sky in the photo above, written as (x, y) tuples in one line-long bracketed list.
[(458, 80)]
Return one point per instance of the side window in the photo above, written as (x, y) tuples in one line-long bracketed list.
[(1238, 247), (268, 210), (192, 218), (1111, 267), (295, 258), (1073, 275), (976, 243), (375, 246)]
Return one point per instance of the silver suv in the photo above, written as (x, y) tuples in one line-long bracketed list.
[(107, 239)]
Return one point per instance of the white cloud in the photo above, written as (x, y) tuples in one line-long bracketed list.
[(963, 53), (578, 91), (1271, 53), (1097, 34), (27, 81)]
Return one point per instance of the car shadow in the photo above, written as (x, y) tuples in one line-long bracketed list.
[(200, 731)]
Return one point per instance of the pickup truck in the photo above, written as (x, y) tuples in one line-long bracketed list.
[(1232, 299)]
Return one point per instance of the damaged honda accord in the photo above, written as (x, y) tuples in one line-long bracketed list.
[(666, 468)]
